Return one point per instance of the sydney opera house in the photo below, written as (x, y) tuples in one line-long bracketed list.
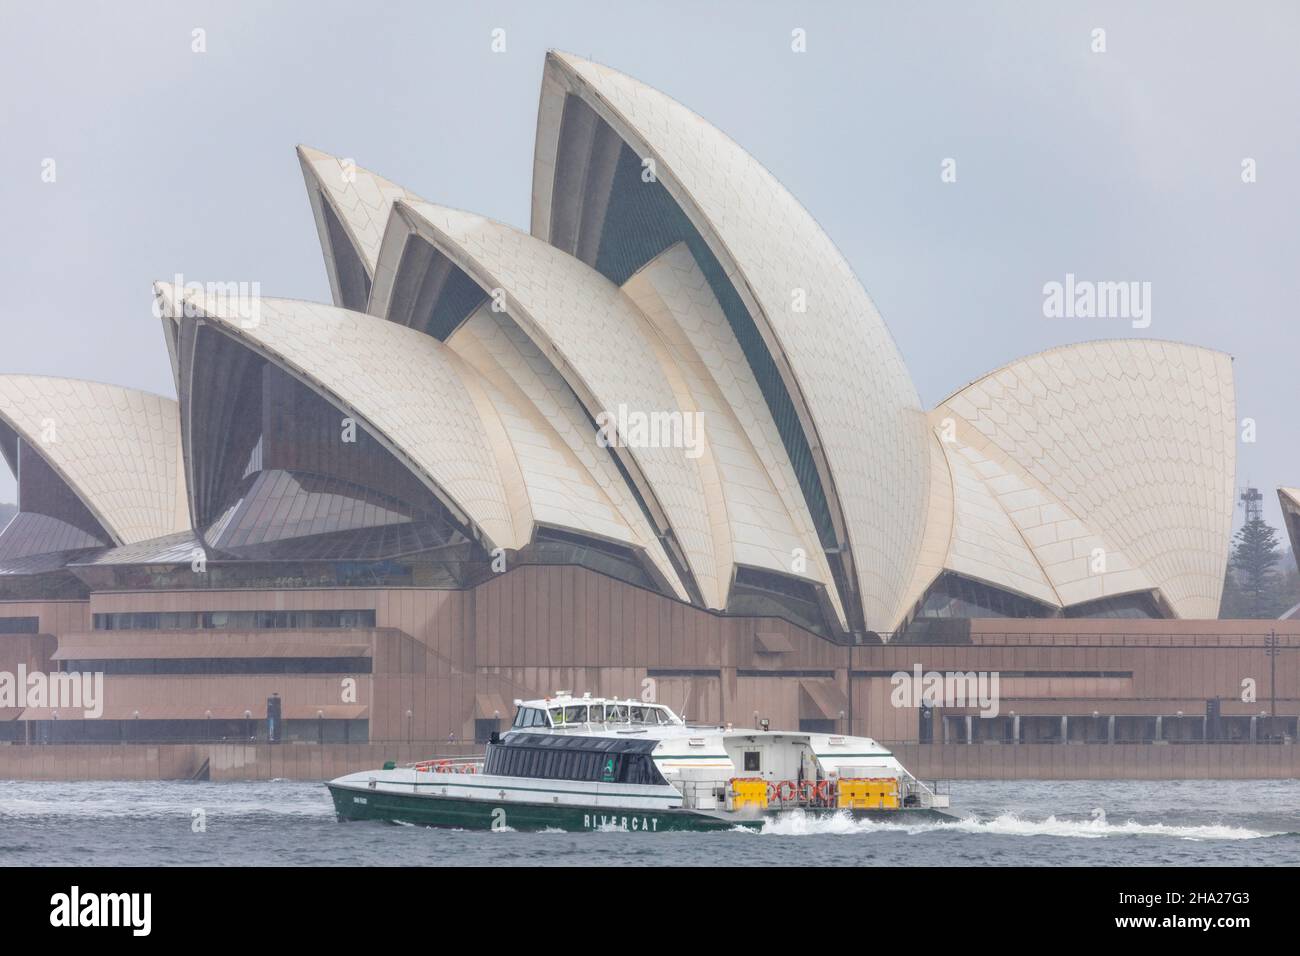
[(660, 443)]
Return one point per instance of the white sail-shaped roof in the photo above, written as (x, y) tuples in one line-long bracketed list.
[(571, 482), (754, 489), (596, 337), (117, 449), (1113, 464), (843, 372), (461, 425), (360, 202), (1289, 499), (403, 388)]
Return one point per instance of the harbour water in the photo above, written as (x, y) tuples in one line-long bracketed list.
[(1095, 823)]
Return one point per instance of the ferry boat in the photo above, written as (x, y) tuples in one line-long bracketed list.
[(594, 763)]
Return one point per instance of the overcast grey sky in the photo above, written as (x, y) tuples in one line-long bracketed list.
[(1122, 165)]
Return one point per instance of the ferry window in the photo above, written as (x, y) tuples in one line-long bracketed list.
[(557, 716), (662, 716), (752, 761), (575, 715), (615, 713), (639, 715), (597, 714), (519, 717), (536, 718), (639, 769)]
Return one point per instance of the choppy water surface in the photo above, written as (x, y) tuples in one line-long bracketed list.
[(1114, 823)]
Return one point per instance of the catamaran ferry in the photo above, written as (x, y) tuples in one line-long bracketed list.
[(592, 763)]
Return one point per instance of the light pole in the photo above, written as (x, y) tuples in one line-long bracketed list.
[(1272, 649)]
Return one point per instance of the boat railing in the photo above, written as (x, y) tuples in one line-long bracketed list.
[(448, 765)]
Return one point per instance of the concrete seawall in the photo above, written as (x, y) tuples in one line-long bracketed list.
[(1100, 761), (928, 761)]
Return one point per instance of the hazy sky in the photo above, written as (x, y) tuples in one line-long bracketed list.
[(1122, 165)]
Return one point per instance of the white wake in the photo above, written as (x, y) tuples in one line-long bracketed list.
[(798, 823)]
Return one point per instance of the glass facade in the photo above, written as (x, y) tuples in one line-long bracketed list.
[(759, 593), (1142, 605), (432, 295), (555, 546), (280, 475), (955, 596), (411, 571), (51, 518), (353, 279)]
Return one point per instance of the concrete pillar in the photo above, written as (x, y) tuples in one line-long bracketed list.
[(970, 730), (946, 731), (1015, 729), (1065, 729), (1254, 729), (1159, 728), (1110, 729)]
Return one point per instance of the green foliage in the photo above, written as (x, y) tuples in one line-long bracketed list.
[(1257, 585)]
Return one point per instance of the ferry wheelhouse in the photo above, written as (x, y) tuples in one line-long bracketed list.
[(590, 763)]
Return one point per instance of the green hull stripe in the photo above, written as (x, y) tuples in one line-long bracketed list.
[(855, 755), (488, 786), (690, 756), (473, 813)]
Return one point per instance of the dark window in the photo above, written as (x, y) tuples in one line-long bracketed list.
[(20, 625), (955, 596), (1141, 605), (233, 620), (816, 725), (224, 665), (752, 761), (572, 758)]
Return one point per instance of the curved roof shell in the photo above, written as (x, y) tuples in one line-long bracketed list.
[(476, 444), (351, 206), (751, 485), (1110, 464), (117, 449), (857, 407), (598, 341)]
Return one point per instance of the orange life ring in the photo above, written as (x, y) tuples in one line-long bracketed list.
[(825, 791), (807, 791), (772, 792), (787, 787)]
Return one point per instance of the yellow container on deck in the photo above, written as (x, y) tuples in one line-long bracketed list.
[(867, 793), (746, 792)]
